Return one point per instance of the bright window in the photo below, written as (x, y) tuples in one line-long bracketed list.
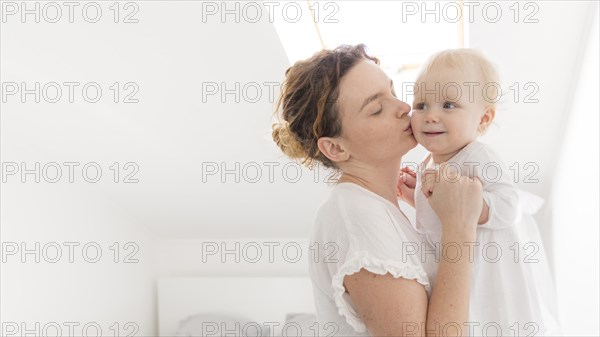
[(402, 34)]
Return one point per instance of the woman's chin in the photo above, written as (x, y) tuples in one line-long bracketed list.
[(406, 147)]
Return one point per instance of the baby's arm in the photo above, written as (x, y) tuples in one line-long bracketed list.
[(485, 213), (503, 204), (500, 194)]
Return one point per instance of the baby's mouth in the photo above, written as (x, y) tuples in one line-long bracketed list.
[(433, 134)]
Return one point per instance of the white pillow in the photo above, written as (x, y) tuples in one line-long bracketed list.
[(214, 324), (300, 324)]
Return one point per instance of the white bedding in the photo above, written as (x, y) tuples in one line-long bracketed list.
[(242, 303)]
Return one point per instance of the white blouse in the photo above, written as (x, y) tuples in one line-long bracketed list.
[(512, 292), (356, 228)]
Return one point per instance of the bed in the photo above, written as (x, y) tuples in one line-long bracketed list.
[(228, 306)]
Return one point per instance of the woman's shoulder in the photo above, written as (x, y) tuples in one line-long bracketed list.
[(356, 213), (368, 232), (349, 201)]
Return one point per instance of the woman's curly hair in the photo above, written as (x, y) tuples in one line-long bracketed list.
[(308, 102)]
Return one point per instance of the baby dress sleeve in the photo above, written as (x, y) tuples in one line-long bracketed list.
[(499, 191)]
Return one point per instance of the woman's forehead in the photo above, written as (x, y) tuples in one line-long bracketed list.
[(363, 80), (363, 74)]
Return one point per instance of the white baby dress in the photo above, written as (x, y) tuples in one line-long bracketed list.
[(512, 292)]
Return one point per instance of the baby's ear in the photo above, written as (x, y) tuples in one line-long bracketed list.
[(487, 118), (333, 149)]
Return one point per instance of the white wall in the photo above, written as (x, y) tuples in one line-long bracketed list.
[(117, 288), (575, 198), (171, 133), (278, 257), (168, 54)]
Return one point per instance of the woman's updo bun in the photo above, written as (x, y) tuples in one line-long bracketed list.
[(287, 142)]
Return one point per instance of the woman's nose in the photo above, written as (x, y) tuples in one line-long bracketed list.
[(403, 109)]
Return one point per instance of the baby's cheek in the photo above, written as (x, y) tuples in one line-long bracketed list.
[(416, 133), (415, 124)]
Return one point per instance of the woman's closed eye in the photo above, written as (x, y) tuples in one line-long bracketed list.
[(378, 111)]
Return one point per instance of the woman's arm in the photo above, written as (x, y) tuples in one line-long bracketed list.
[(449, 304), (389, 306), (458, 204), (398, 307)]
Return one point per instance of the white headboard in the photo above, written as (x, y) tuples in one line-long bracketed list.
[(262, 299)]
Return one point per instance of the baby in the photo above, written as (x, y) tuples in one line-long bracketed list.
[(512, 292)]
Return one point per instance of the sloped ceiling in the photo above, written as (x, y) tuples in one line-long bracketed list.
[(174, 134)]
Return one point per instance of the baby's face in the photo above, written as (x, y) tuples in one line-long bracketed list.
[(447, 111)]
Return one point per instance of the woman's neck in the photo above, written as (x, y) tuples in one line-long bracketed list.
[(382, 181)]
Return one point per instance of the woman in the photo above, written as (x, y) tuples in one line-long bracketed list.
[(340, 110)]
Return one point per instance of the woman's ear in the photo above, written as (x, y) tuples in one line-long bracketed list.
[(487, 118), (333, 149)]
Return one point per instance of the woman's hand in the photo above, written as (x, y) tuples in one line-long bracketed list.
[(428, 179), (457, 200), (406, 185)]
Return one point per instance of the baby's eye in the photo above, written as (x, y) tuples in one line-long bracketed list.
[(419, 106), (449, 105)]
